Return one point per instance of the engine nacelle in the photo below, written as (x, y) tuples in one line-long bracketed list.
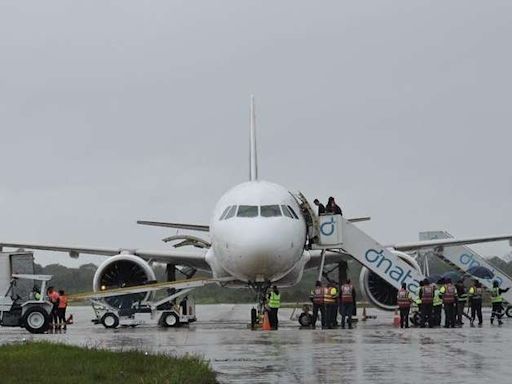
[(121, 271), (377, 290)]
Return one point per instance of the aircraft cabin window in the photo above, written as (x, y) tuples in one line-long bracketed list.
[(247, 211), (223, 216), (293, 212), (231, 212), (286, 211), (270, 211)]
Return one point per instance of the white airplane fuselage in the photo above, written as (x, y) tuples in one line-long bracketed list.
[(257, 234)]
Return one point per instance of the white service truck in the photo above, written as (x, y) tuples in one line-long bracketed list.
[(18, 306)]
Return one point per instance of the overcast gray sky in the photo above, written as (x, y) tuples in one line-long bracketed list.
[(113, 111)]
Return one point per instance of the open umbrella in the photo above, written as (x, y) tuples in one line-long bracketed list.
[(432, 279), (452, 275), (481, 272)]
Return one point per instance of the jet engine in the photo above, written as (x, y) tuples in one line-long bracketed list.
[(379, 292), (122, 271)]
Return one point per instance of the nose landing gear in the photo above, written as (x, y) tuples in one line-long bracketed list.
[(261, 296)]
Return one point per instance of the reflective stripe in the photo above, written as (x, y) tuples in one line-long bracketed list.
[(328, 299), (274, 300), (318, 295), (496, 296), (403, 298), (427, 294), (449, 294), (346, 293)]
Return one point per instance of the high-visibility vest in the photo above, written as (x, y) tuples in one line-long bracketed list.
[(476, 293), (403, 299), (427, 294), (449, 294), (63, 301), (334, 293), (328, 298), (274, 300), (346, 293), (437, 300), (496, 296), (318, 295)]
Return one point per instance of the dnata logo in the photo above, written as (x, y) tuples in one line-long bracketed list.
[(469, 260), (328, 228), (395, 272)]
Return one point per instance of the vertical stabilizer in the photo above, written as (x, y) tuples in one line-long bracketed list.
[(253, 159)]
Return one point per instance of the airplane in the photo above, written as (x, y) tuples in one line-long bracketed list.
[(258, 237)]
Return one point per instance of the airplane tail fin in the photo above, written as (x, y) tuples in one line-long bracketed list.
[(253, 158)]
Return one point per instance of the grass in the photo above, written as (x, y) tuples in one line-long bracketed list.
[(51, 363)]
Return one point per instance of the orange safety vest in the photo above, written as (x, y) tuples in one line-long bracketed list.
[(403, 299), (346, 293), (428, 294), (63, 302), (318, 295), (328, 298), (449, 294)]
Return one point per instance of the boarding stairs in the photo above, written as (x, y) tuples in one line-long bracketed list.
[(334, 232), (462, 258)]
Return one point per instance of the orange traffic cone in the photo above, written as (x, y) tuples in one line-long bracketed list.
[(266, 322), (396, 319)]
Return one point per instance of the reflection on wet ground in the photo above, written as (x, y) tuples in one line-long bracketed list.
[(373, 352)]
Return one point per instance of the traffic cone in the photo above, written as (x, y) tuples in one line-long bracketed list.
[(396, 319), (266, 322), (364, 317)]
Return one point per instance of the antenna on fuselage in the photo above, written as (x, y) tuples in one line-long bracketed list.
[(253, 157)]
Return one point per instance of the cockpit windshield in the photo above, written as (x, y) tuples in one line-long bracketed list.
[(247, 211), (270, 211)]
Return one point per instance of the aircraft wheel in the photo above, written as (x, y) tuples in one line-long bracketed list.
[(36, 320), (110, 320), (305, 319), (170, 319)]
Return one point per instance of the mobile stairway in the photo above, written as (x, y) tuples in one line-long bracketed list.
[(462, 258)]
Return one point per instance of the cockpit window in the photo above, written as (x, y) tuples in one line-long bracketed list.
[(231, 212), (286, 211), (270, 211), (223, 216), (293, 212), (247, 211)]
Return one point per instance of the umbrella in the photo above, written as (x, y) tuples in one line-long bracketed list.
[(452, 275), (432, 279), (481, 272)]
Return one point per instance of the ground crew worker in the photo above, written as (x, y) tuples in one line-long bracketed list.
[(332, 308), (462, 297), (36, 294), (348, 298), (330, 303), (61, 310), (426, 295), (449, 294), (321, 207), (317, 297), (437, 306), (53, 296), (475, 297), (274, 302), (404, 301), (497, 301)]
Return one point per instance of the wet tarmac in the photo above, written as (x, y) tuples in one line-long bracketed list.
[(373, 352)]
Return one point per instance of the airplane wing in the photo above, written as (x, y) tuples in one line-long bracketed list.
[(405, 247), (193, 258), (192, 227)]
